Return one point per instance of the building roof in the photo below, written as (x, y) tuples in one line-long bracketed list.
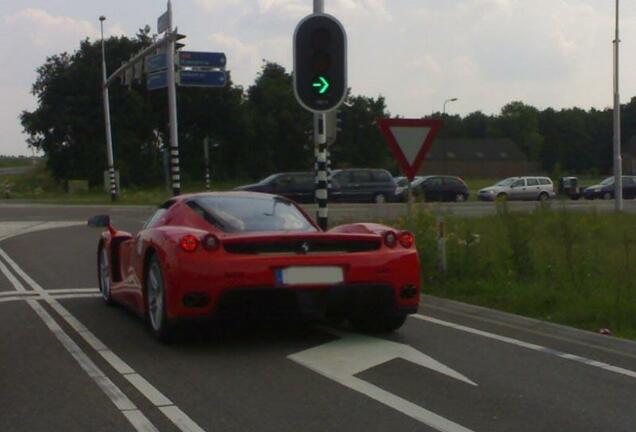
[(465, 149)]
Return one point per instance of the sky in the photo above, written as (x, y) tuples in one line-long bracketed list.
[(415, 53)]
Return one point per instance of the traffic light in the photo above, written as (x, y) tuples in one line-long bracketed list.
[(320, 63)]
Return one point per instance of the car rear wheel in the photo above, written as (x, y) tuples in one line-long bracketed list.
[(386, 323), (379, 199), (156, 301), (103, 271), (607, 196), (543, 196), (460, 197)]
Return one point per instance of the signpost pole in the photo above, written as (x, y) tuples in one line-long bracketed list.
[(172, 107), (109, 137), (409, 198), (206, 154), (618, 160)]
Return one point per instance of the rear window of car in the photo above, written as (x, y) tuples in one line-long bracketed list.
[(304, 180), (533, 182), (250, 214), (545, 181)]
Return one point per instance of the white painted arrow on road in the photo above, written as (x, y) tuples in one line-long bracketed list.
[(344, 358)]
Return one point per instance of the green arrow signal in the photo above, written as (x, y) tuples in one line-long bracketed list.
[(322, 84)]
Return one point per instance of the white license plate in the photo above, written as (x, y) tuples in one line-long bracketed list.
[(323, 275)]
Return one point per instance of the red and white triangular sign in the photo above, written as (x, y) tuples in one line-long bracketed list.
[(410, 140)]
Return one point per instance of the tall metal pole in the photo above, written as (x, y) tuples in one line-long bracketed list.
[(618, 160), (206, 156), (445, 102), (320, 148), (172, 107), (109, 137)]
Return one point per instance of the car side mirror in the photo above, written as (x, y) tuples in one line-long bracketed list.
[(99, 221)]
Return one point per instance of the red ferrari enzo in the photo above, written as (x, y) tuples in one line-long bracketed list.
[(213, 254)]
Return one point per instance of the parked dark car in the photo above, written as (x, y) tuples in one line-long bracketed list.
[(569, 187), (297, 186), (439, 188), (363, 185), (605, 189)]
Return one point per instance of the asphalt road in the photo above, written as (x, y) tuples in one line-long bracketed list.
[(70, 363)]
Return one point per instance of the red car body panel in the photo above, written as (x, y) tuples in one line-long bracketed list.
[(214, 273)]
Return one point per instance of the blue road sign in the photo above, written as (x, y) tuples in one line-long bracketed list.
[(156, 62), (202, 78), (202, 59), (157, 80)]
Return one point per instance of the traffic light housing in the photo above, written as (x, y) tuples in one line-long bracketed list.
[(320, 63)]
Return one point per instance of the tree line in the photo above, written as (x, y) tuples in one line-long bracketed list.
[(261, 129)]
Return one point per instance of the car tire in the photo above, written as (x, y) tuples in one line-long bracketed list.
[(607, 196), (379, 198), (460, 197), (386, 323), (543, 196), (104, 275), (156, 302)]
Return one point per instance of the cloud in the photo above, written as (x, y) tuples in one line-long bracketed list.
[(47, 30)]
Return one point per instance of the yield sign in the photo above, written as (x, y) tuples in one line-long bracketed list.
[(410, 140)]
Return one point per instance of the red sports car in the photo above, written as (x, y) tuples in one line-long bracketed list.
[(211, 254)]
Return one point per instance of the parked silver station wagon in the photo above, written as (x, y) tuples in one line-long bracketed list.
[(520, 188)]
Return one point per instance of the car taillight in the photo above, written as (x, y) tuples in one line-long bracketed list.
[(390, 239), (406, 239), (210, 242), (189, 243)]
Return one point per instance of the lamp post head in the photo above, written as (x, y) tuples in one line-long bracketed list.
[(102, 18), (453, 100)]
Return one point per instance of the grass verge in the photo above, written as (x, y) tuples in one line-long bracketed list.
[(570, 268)]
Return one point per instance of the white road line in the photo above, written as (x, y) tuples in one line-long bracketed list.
[(117, 397), (35, 296), (14, 281), (528, 330), (72, 290), (13, 293), (180, 419), (530, 346)]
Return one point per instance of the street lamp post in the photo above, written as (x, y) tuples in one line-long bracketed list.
[(618, 160), (109, 137), (447, 101)]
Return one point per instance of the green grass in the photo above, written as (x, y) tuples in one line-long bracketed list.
[(38, 187), (570, 268)]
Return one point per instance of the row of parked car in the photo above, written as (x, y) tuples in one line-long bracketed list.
[(379, 186), (362, 185)]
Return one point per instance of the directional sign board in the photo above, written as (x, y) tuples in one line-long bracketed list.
[(410, 140), (188, 78), (197, 59), (163, 21), (156, 62), (157, 80)]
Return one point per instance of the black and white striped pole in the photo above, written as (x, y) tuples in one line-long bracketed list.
[(206, 156), (320, 137), (175, 171), (109, 137)]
